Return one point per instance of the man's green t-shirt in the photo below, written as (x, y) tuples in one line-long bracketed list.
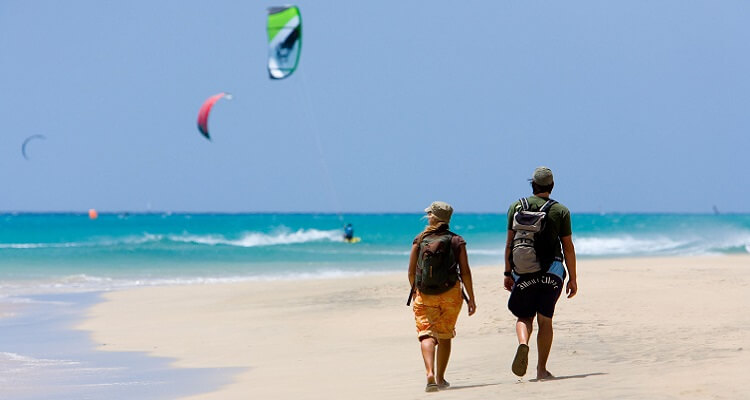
[(557, 225)]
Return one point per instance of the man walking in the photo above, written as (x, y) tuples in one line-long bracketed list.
[(539, 239)]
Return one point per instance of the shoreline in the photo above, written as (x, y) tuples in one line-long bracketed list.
[(42, 356), (84, 283), (639, 328)]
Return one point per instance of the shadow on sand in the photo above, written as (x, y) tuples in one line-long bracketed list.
[(457, 387), (559, 378), (556, 378)]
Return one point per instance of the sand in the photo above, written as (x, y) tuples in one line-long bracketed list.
[(647, 328)]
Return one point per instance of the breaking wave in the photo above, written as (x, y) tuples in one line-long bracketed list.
[(629, 245), (255, 239), (247, 239)]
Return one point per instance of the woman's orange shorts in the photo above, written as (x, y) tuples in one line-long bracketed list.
[(436, 314)]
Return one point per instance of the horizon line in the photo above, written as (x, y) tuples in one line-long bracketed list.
[(163, 212)]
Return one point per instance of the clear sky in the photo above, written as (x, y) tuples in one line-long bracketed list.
[(637, 106)]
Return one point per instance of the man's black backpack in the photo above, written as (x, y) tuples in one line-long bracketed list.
[(528, 253), (437, 266)]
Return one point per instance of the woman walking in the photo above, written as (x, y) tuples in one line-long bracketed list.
[(438, 265)]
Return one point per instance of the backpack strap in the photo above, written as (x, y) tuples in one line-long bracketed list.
[(524, 204), (458, 270), (411, 292), (545, 208)]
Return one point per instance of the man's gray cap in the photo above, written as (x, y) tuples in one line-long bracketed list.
[(542, 176)]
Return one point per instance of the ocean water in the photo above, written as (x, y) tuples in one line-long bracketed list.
[(43, 253), (43, 358), (54, 266)]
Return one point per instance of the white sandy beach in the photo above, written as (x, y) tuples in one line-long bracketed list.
[(648, 328)]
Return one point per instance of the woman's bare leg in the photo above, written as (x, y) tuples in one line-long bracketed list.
[(428, 353), (443, 354)]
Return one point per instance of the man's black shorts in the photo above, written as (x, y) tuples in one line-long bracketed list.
[(535, 293)]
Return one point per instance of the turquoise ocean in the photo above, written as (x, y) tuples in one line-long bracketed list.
[(42, 253), (53, 267)]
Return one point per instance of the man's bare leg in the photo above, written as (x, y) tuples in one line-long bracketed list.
[(524, 327), (544, 344)]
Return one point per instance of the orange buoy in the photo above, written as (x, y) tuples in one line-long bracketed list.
[(93, 214)]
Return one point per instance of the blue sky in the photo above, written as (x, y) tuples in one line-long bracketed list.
[(637, 106)]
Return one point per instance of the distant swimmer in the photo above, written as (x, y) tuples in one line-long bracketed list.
[(348, 233)]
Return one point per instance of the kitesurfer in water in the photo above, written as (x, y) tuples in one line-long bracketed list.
[(348, 232)]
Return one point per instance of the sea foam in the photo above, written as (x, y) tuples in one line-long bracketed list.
[(255, 239)]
